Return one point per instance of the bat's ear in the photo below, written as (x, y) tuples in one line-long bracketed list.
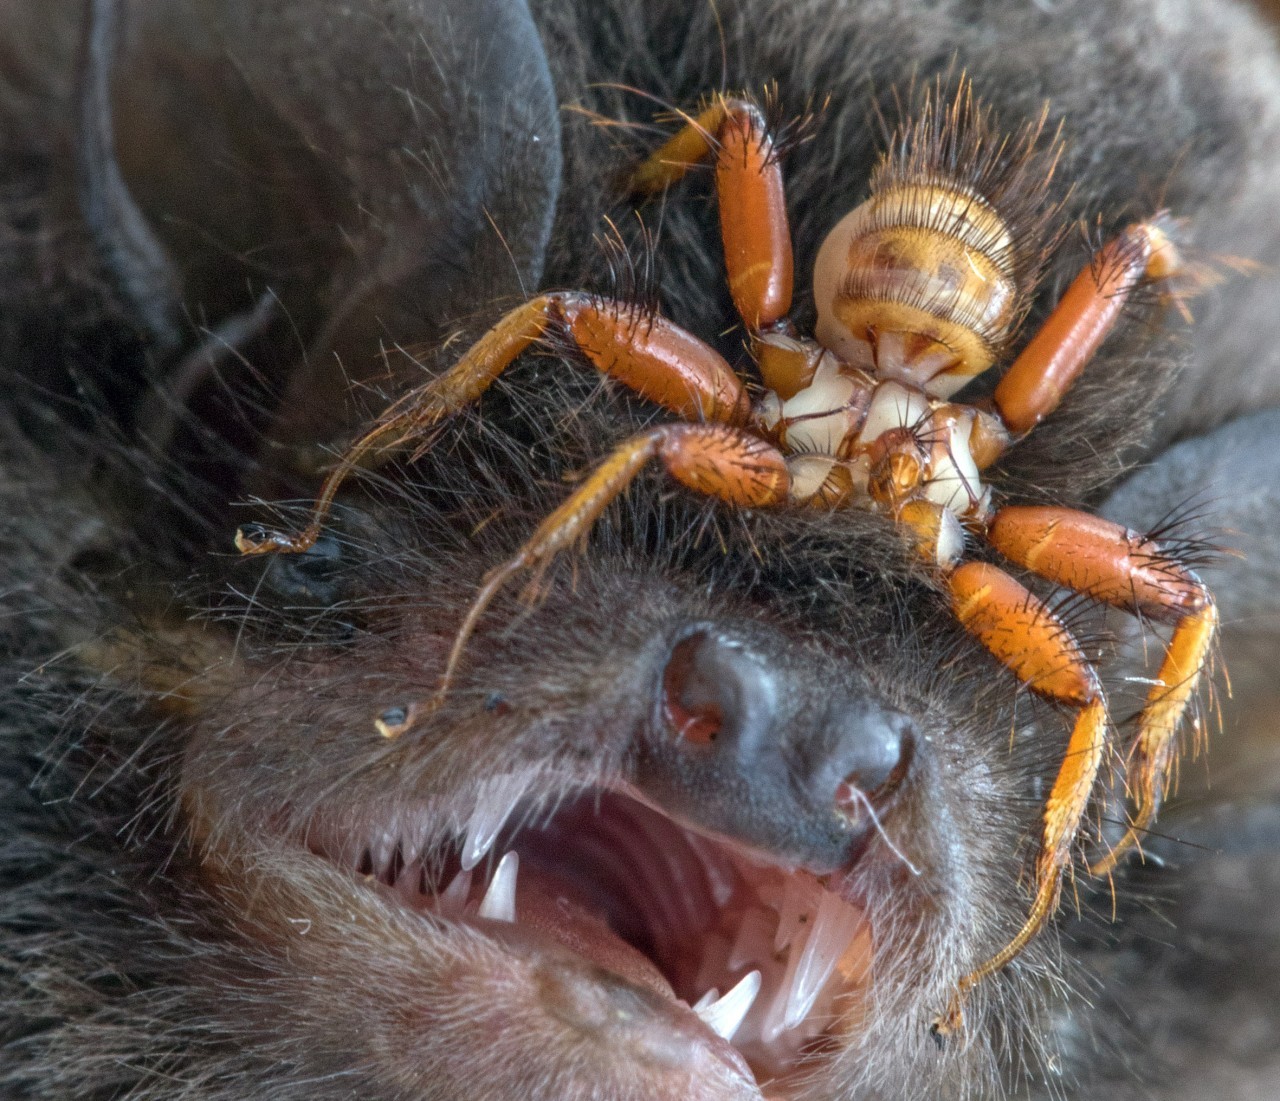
[(1222, 488), (294, 185)]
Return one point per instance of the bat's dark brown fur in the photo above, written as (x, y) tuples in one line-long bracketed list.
[(213, 217)]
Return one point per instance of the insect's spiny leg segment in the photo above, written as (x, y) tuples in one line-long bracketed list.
[(1127, 570), (1154, 757), (646, 353), (410, 420), (749, 189), (1020, 629), (1053, 359), (719, 460)]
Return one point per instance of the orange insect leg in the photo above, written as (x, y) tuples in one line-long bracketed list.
[(1024, 634), (716, 459), (1092, 555), (1052, 361), (1154, 750), (692, 144), (413, 415), (753, 220), (753, 210), (655, 358), (1019, 629), (1113, 564)]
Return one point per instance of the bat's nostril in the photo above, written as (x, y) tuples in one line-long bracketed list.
[(715, 690), (692, 712), (875, 760), (857, 752)]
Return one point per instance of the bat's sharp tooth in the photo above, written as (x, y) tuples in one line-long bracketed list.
[(499, 903), (498, 798), (710, 997), (724, 1015), (798, 900), (454, 897), (834, 928)]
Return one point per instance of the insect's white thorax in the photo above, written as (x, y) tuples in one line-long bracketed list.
[(847, 420)]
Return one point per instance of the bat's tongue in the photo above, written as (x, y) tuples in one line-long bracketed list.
[(546, 904), (537, 909)]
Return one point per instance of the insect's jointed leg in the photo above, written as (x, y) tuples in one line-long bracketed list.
[(1020, 630), (1120, 567), (1053, 359), (1154, 756), (718, 460), (655, 358), (647, 353), (753, 211), (411, 419)]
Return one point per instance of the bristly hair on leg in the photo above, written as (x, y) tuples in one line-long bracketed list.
[(631, 279), (789, 129)]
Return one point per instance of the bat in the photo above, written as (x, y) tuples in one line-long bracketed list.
[(237, 233)]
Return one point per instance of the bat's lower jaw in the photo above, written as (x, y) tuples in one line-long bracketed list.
[(614, 936)]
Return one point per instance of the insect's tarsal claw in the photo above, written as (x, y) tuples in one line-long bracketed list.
[(951, 1023), (394, 721), (254, 539)]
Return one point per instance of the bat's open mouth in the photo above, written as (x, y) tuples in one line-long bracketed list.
[(724, 943), (694, 918)]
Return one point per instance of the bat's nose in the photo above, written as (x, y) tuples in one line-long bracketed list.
[(753, 740)]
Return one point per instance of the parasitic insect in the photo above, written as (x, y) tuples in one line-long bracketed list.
[(919, 290)]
